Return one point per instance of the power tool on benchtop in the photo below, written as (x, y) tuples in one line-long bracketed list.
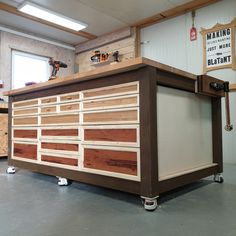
[(55, 67)]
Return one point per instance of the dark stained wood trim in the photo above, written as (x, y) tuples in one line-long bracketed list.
[(217, 133), (9, 127), (148, 131), (83, 85), (93, 179), (3, 110), (169, 184), (13, 10), (171, 80), (174, 12)]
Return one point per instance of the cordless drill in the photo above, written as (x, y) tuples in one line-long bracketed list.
[(55, 65)]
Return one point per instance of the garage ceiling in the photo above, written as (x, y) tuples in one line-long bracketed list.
[(102, 16)]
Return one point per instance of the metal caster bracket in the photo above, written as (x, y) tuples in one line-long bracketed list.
[(11, 170), (62, 181), (150, 204), (218, 178)]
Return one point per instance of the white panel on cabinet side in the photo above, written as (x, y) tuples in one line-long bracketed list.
[(184, 132)]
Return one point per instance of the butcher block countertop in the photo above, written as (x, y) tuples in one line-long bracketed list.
[(101, 72)]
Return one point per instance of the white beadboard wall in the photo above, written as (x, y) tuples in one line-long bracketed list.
[(168, 42)]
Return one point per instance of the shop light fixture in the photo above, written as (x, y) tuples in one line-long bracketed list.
[(53, 17)]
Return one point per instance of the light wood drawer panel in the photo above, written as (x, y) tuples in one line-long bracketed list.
[(127, 116), (60, 119), (48, 109), (60, 146), (25, 112), (28, 151), (111, 90), (60, 160), (25, 103), (49, 100), (70, 97), (124, 162), (70, 107), (25, 121), (25, 134), (111, 103), (60, 132), (111, 135)]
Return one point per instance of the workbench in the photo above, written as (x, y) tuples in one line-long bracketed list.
[(137, 126)]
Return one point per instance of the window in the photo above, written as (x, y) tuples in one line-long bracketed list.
[(28, 68)]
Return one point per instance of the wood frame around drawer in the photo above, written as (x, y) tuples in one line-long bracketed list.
[(23, 139), (108, 173), (15, 104), (109, 99), (110, 88), (111, 143)]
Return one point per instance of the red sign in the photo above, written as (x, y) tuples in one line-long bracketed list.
[(193, 34)]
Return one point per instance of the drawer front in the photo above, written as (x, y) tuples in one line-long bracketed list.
[(26, 103), (111, 103), (112, 160), (48, 100), (60, 119), (25, 121), (61, 133), (111, 135), (25, 150), (25, 112), (57, 159), (25, 133), (71, 147), (70, 107), (128, 88), (70, 97), (46, 110), (111, 117)]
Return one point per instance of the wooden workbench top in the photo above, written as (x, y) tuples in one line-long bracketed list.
[(232, 87), (101, 72)]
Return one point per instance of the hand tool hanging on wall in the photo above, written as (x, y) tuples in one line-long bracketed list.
[(55, 67), (225, 87)]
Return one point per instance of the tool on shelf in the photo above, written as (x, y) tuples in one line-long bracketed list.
[(55, 67), (225, 87)]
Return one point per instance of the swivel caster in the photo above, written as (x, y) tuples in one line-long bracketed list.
[(11, 170), (150, 204), (218, 178), (62, 181)]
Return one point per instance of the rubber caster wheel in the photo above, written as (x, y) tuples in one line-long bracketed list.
[(62, 181), (11, 170), (150, 204), (218, 178)]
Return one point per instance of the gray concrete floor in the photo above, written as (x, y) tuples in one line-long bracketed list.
[(33, 204)]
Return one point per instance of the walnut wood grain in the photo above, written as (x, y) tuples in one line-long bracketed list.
[(60, 146), (28, 151), (60, 160), (111, 116), (111, 103), (19, 133), (60, 119), (111, 135), (109, 160), (60, 132)]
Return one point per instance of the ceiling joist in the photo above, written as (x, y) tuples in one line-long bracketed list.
[(177, 11), (13, 10)]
